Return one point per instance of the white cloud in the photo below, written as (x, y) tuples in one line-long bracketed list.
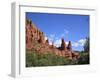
[(57, 43), (75, 44), (56, 39), (79, 43), (50, 42), (62, 35), (66, 42), (51, 37), (65, 33), (82, 41), (46, 37)]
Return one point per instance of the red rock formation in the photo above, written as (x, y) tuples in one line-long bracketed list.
[(35, 40), (69, 47), (33, 35), (47, 42), (41, 38), (63, 44)]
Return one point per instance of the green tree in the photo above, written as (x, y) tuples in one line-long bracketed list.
[(87, 45)]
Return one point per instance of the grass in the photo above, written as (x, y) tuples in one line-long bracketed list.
[(34, 59)]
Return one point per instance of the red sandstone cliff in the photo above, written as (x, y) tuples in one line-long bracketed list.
[(35, 40)]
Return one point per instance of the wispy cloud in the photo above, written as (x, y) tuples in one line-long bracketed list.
[(62, 35), (75, 44), (51, 38), (65, 33), (82, 41), (79, 43), (57, 43), (57, 40)]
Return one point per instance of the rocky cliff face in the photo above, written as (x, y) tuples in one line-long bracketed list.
[(35, 41)]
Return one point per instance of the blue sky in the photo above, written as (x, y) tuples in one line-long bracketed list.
[(71, 27)]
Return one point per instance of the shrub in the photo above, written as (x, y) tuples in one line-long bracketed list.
[(47, 59), (84, 58)]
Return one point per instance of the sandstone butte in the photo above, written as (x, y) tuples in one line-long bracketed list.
[(35, 41)]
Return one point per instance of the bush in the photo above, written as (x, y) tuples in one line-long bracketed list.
[(50, 59), (84, 58), (87, 45)]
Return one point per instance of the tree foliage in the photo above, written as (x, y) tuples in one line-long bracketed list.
[(87, 45)]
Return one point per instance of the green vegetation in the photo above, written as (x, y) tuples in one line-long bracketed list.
[(84, 58), (84, 55), (33, 58), (50, 59), (47, 59), (87, 45)]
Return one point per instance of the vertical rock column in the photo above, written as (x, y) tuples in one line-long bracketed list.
[(69, 47), (63, 44), (42, 38)]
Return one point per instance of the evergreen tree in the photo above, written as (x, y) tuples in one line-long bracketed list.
[(86, 45)]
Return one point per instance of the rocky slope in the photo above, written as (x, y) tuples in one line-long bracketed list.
[(35, 41)]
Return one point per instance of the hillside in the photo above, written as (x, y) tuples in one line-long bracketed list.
[(35, 41)]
